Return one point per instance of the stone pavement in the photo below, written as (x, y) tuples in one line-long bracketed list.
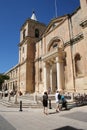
[(34, 119)]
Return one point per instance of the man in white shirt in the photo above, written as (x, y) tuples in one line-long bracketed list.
[(57, 101)]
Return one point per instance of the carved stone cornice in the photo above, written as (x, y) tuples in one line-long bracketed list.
[(83, 23), (23, 41), (21, 63), (74, 40), (37, 59), (50, 57), (27, 38)]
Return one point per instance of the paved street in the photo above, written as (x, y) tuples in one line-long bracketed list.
[(34, 119)]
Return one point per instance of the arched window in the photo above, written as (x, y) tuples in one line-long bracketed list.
[(55, 43), (36, 33), (53, 46), (78, 68)]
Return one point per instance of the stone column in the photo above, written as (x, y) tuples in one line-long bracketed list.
[(51, 78), (45, 77), (59, 80)]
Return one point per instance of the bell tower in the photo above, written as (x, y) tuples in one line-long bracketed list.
[(31, 31)]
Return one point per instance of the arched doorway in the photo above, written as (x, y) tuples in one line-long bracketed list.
[(54, 67)]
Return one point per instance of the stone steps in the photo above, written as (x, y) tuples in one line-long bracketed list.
[(27, 97), (24, 104), (28, 101)]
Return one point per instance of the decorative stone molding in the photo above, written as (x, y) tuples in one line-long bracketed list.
[(38, 59), (83, 23), (74, 40), (77, 38), (57, 40)]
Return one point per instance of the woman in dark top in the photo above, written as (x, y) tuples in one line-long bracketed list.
[(45, 102)]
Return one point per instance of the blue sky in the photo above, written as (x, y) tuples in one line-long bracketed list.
[(13, 14)]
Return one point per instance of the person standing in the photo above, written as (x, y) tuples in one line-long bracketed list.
[(57, 101), (45, 103)]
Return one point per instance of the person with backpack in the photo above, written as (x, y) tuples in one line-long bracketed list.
[(64, 102), (57, 98), (45, 103)]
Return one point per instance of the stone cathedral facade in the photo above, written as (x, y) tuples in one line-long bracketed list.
[(52, 57)]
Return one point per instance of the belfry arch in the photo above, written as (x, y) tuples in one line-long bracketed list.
[(53, 65)]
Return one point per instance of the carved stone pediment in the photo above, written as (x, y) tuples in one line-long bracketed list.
[(55, 23)]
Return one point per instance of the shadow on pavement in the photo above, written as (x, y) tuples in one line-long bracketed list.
[(80, 116), (58, 112), (67, 128), (5, 125)]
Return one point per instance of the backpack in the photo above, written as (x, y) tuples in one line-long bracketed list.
[(59, 96)]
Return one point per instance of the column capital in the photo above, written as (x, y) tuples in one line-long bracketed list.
[(59, 60), (46, 64)]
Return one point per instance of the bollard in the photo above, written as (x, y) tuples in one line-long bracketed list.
[(20, 105), (50, 104)]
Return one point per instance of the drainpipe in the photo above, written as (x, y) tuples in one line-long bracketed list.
[(71, 45)]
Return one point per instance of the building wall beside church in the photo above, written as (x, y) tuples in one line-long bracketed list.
[(13, 82)]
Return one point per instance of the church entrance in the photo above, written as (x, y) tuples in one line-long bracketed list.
[(51, 78), (53, 74), (54, 66)]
